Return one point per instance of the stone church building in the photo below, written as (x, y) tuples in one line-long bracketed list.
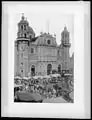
[(39, 55)]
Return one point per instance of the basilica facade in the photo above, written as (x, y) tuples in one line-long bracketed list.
[(39, 55)]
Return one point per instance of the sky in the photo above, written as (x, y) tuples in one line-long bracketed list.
[(42, 18)]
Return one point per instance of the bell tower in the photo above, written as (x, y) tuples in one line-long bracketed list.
[(22, 47), (23, 28), (65, 48), (24, 36)]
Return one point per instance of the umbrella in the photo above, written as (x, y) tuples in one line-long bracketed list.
[(29, 78), (26, 78), (55, 100), (26, 96), (49, 86), (71, 95), (66, 74), (17, 77), (17, 85), (36, 77), (46, 76), (42, 77), (55, 75)]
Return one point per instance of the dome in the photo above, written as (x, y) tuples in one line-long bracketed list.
[(30, 30)]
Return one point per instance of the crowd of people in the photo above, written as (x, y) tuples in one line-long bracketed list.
[(47, 87)]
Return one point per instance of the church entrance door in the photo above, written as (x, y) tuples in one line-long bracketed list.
[(59, 69), (49, 69), (33, 70)]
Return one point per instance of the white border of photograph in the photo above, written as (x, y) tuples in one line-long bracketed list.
[(46, 110)]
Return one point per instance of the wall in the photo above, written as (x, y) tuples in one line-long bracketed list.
[(42, 56)]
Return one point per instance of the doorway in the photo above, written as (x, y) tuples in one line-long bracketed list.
[(49, 69), (59, 68), (33, 70)]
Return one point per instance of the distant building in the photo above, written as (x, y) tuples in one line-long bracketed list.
[(71, 65), (39, 55)]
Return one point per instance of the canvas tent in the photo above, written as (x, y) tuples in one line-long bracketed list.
[(26, 96), (25, 78), (55, 100), (17, 85), (17, 77), (36, 77), (71, 95), (55, 75), (46, 76)]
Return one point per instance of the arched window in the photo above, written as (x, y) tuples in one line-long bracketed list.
[(48, 41), (33, 70), (22, 71), (25, 35), (58, 54), (30, 37), (32, 50), (21, 27), (49, 69), (59, 68), (24, 27), (21, 34)]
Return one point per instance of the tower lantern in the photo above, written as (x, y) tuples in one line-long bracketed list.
[(65, 48), (22, 28), (22, 16), (65, 37)]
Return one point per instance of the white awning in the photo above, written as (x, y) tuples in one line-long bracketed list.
[(55, 75), (46, 76), (15, 85), (26, 78), (68, 74), (29, 77), (17, 77), (71, 95), (55, 100), (36, 77)]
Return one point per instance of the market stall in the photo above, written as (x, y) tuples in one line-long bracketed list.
[(29, 97)]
